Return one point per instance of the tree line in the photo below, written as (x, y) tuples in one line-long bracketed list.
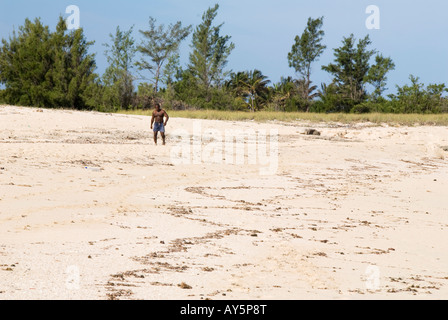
[(55, 70)]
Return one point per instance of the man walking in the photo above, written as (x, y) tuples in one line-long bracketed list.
[(158, 123)]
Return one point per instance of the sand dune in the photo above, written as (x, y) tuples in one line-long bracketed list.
[(91, 209)]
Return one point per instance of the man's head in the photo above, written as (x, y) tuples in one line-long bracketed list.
[(157, 106)]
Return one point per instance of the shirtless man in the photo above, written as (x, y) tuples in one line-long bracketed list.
[(157, 123)]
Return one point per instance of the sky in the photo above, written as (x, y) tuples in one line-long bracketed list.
[(412, 33)]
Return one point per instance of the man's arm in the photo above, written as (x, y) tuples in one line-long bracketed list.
[(152, 120), (167, 117)]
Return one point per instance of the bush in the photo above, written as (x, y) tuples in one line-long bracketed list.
[(362, 108)]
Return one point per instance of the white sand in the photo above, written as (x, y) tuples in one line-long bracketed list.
[(356, 202)]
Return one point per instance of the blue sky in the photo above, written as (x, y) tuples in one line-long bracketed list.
[(412, 33)]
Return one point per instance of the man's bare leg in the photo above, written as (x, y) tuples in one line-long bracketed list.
[(163, 137), (155, 138)]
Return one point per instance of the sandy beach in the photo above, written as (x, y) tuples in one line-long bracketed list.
[(91, 209)]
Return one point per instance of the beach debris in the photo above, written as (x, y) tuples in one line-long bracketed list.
[(320, 254), (445, 148), (208, 269), (185, 286), (312, 132)]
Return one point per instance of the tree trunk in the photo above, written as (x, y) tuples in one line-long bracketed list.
[(156, 84)]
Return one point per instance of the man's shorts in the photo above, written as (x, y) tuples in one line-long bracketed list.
[(159, 127)]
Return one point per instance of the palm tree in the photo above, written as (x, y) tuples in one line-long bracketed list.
[(234, 84), (283, 91), (289, 88), (255, 88), (305, 90), (332, 98)]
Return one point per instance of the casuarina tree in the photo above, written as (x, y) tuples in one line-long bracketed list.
[(159, 44), (210, 51), (118, 78), (306, 50)]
